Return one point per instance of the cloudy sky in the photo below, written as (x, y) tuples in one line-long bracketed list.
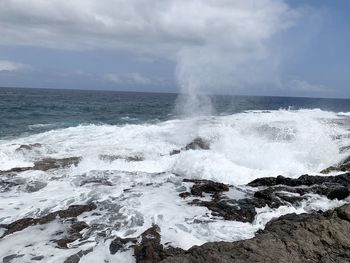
[(261, 47)]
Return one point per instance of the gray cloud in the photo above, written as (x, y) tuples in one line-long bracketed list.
[(215, 43), (148, 26)]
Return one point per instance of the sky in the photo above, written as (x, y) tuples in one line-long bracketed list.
[(251, 47)]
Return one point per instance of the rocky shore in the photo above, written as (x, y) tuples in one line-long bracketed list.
[(315, 237), (318, 236)]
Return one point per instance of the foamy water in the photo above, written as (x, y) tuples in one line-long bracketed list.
[(243, 147)]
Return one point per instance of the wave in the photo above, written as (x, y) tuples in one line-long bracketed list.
[(243, 146), (144, 179)]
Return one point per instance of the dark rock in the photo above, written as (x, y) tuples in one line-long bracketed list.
[(72, 259), (277, 192), (76, 257), (339, 193), (344, 149), (198, 144), (18, 225), (51, 163), (111, 158), (292, 199), (237, 210), (319, 237), (63, 242), (343, 166), (265, 181), (15, 170), (7, 185), (78, 226), (173, 152), (184, 194), (45, 165), (9, 258), (264, 194), (71, 211), (306, 180), (37, 258), (343, 212), (101, 181), (28, 147), (206, 186), (149, 249), (75, 210), (121, 244), (73, 234)]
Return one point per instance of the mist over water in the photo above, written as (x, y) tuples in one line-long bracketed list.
[(233, 50)]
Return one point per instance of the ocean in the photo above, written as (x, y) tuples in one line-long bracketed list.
[(29, 111), (124, 142)]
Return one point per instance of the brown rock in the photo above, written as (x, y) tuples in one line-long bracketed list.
[(323, 238)]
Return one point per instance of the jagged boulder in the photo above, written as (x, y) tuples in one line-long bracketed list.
[(318, 237)]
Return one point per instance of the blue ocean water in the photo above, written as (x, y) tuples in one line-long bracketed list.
[(27, 111)]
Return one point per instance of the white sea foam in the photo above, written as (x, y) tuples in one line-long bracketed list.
[(243, 147)]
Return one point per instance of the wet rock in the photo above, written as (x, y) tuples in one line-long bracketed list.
[(28, 147), (76, 257), (15, 170), (71, 211), (196, 144), (344, 149), (73, 234), (292, 199), (100, 181), (206, 186), (264, 181), (75, 210), (229, 209), (18, 225), (63, 242), (51, 163), (37, 258), (34, 186), (45, 165), (9, 258), (173, 152), (339, 193), (333, 187), (272, 192), (304, 180), (237, 210), (121, 244), (7, 185), (72, 259), (111, 158), (78, 226), (343, 166), (343, 212), (264, 194), (318, 237), (184, 194), (149, 249)]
